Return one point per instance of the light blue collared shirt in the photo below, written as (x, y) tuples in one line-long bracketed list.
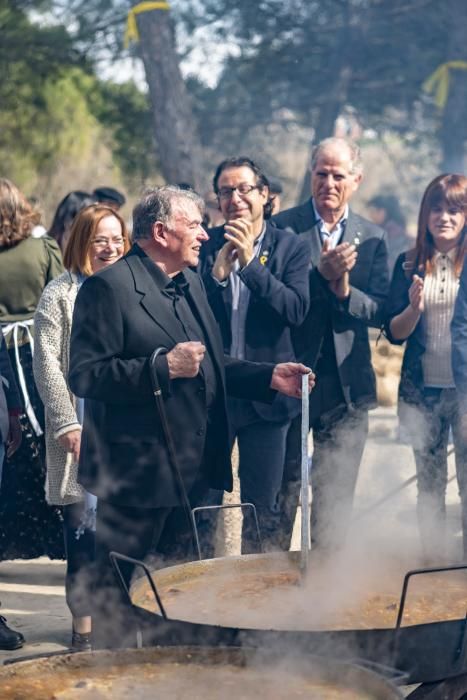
[(334, 236)]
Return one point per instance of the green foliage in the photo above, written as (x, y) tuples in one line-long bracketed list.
[(61, 127), (374, 54), (124, 111)]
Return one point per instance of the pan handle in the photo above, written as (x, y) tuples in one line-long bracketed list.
[(418, 572), (115, 557), (389, 672), (226, 506)]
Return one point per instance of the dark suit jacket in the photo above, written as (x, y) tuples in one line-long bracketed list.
[(279, 300), (121, 316), (459, 341), (411, 383), (350, 319)]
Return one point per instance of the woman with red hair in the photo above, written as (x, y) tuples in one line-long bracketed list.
[(420, 306), (98, 237)]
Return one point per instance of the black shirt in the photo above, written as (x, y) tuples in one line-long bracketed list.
[(177, 289)]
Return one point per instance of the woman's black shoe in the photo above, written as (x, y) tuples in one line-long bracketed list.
[(80, 642), (9, 639)]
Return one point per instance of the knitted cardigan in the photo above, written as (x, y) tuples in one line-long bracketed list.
[(52, 330)]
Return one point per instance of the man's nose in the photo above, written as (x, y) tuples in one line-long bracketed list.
[(203, 234)]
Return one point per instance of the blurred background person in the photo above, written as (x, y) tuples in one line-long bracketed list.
[(275, 190), (98, 238), (385, 211), (64, 216), (10, 440), (206, 223), (39, 229), (109, 197), (213, 215), (420, 307), (29, 527)]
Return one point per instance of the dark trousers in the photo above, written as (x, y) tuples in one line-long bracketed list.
[(261, 447), (80, 545), (339, 437), (128, 531), (439, 413), (175, 544), (133, 532), (338, 444)]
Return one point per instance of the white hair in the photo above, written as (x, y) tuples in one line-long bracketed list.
[(338, 143)]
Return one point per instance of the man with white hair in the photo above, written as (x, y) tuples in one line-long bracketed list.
[(151, 299), (348, 286)]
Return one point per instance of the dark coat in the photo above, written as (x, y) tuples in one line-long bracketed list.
[(459, 341), (279, 300), (411, 382), (121, 316), (350, 319), (9, 394)]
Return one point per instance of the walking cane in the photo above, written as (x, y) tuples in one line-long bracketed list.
[(170, 443)]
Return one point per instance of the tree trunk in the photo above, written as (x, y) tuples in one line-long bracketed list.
[(178, 143), (326, 122), (336, 98), (453, 132)]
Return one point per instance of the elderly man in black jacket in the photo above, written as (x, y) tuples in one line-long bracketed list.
[(257, 281), (348, 285), (148, 299)]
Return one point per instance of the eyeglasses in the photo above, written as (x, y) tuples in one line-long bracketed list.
[(104, 242), (243, 189)]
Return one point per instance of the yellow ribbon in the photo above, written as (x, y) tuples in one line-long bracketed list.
[(131, 31), (438, 82)]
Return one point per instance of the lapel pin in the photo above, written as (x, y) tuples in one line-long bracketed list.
[(356, 240), (263, 258)]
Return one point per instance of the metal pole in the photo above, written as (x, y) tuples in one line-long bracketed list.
[(305, 507), (381, 501)]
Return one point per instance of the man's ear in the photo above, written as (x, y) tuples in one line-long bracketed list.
[(358, 181), (159, 233)]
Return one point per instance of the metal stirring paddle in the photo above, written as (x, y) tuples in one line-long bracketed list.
[(305, 507)]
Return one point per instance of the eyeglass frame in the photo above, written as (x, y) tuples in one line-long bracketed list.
[(231, 190), (103, 243)]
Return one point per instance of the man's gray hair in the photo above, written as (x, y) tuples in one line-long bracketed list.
[(157, 204), (337, 143)]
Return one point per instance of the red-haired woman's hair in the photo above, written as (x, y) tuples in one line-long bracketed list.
[(449, 190), (83, 229)]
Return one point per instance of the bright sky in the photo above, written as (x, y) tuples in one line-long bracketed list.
[(205, 61)]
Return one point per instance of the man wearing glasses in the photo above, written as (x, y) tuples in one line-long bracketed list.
[(256, 276)]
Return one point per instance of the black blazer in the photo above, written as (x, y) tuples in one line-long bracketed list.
[(411, 382), (120, 317), (350, 319), (459, 341), (279, 300)]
